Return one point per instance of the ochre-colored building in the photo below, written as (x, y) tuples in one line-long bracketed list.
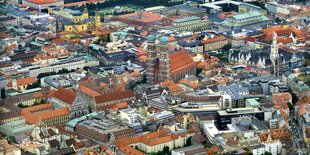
[(21, 84), (151, 142), (215, 43), (45, 115), (79, 21)]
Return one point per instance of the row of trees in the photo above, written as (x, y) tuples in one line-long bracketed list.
[(112, 3), (37, 102)]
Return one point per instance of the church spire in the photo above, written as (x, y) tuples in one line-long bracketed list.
[(274, 54)]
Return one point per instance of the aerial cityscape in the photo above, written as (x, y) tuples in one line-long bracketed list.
[(155, 77)]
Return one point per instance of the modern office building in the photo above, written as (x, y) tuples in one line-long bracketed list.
[(224, 117), (235, 95)]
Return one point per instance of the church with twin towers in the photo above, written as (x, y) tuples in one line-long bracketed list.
[(165, 64)]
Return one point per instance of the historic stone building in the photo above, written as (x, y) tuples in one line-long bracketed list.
[(274, 55), (275, 59), (163, 65)]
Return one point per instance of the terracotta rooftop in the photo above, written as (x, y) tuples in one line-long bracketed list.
[(119, 95), (180, 61), (225, 15), (283, 31), (215, 39), (94, 88), (43, 1), (171, 38), (145, 17), (189, 83), (303, 100), (279, 133), (130, 150), (65, 95), (308, 133), (302, 110), (33, 114), (281, 99), (150, 139), (171, 86), (23, 81)]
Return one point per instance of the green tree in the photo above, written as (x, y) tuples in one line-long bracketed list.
[(198, 71), (62, 71), (33, 85), (189, 141), (290, 105), (267, 153), (3, 94), (22, 105), (227, 47), (42, 101), (166, 150)]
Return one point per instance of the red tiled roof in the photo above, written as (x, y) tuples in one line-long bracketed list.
[(23, 81), (130, 151), (172, 86), (114, 96), (303, 100), (114, 107), (302, 110), (43, 1), (54, 113), (33, 114), (308, 133), (189, 83), (180, 61), (65, 95), (145, 17), (281, 99), (58, 40), (276, 134), (144, 33), (283, 31), (171, 38), (215, 39), (150, 139), (225, 15)]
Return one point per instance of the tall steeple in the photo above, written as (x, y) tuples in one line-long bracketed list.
[(97, 20), (274, 54), (57, 28), (151, 59), (164, 59)]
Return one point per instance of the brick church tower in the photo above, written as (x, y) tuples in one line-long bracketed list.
[(163, 65)]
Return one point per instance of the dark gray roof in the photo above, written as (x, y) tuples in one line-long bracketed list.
[(189, 43), (54, 143)]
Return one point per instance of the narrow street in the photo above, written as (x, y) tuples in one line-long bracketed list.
[(297, 136)]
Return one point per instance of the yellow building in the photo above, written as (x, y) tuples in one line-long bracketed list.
[(246, 7), (45, 115), (215, 43), (151, 142), (78, 21)]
